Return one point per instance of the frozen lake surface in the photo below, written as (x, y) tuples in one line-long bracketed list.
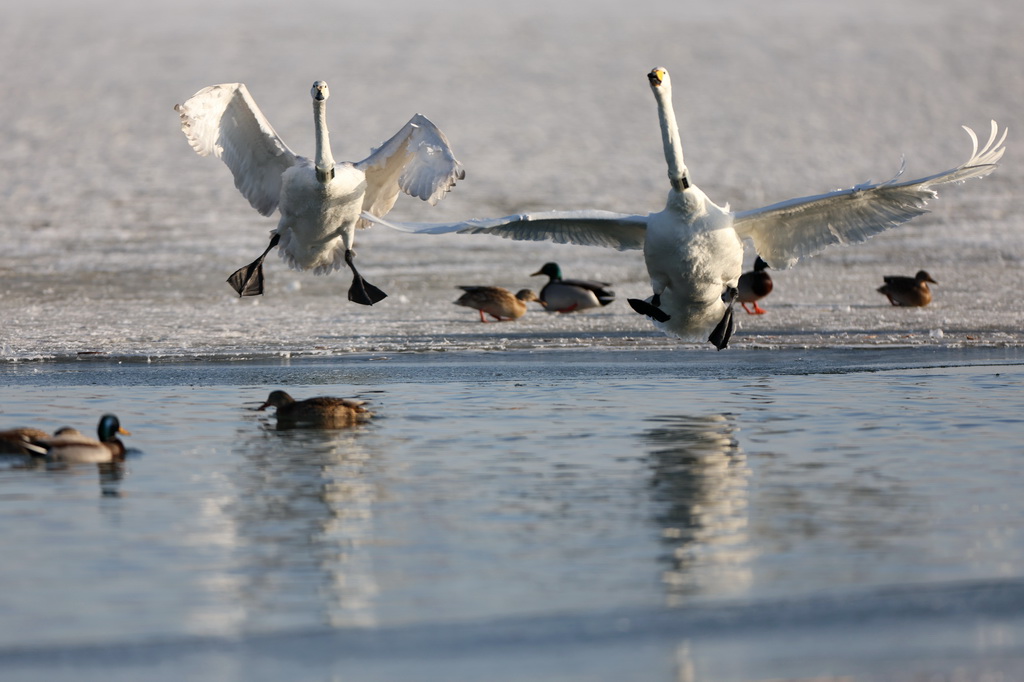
[(835, 497)]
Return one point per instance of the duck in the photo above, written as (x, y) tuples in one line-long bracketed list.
[(908, 291), (571, 295), (323, 411), (753, 286), (693, 248), (497, 302), (69, 445), (319, 200), (20, 441)]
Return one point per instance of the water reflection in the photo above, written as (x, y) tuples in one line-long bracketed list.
[(700, 480), (302, 518), (111, 474)]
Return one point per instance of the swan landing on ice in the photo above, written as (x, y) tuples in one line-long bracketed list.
[(320, 201), (694, 248)]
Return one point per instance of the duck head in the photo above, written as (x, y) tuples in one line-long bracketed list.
[(277, 399), (109, 428), (551, 270)]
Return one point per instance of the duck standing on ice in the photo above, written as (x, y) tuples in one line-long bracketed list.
[(693, 248), (562, 295), (320, 201), (908, 291)]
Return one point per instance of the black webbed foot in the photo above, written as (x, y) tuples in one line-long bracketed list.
[(361, 291), (651, 311), (723, 332), (364, 293), (248, 281)]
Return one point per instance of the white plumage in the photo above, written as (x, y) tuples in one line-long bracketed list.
[(694, 249), (320, 201)]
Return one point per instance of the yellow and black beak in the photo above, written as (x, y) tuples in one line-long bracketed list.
[(656, 77)]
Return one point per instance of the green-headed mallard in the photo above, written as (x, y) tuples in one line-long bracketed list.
[(323, 411), (71, 445), (753, 286), (497, 302), (571, 295), (908, 291)]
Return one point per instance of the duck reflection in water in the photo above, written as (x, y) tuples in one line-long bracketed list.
[(302, 524), (700, 484)]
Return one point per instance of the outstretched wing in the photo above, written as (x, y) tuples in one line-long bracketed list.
[(785, 232), (416, 160), (587, 228), (223, 120)]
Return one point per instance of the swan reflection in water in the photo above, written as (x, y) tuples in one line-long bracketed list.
[(700, 485)]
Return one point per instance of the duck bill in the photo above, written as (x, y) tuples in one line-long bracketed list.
[(123, 431)]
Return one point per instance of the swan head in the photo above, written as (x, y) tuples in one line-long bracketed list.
[(320, 92), (658, 78)]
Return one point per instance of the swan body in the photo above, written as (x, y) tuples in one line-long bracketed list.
[(71, 445), (693, 248), (908, 291), (497, 302), (561, 295), (322, 412), (753, 286), (320, 201)]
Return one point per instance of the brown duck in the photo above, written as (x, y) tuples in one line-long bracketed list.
[(323, 411), (20, 441), (908, 291), (497, 302)]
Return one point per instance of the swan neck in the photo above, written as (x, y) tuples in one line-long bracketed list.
[(324, 159), (677, 173)]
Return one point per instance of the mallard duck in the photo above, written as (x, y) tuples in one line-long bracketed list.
[(322, 411), (908, 291), (71, 445), (497, 302), (20, 441), (319, 200), (571, 295), (693, 248), (753, 286)]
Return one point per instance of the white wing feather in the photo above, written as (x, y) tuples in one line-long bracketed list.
[(586, 228), (785, 232), (223, 120), (417, 160)]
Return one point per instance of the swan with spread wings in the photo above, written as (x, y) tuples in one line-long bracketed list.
[(694, 248), (320, 201)]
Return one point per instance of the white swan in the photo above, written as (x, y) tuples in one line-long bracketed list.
[(320, 201), (693, 248)]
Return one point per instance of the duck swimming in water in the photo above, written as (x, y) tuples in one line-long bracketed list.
[(323, 411), (571, 295), (20, 441), (693, 248), (320, 201), (71, 445), (908, 291), (497, 302), (753, 286)]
